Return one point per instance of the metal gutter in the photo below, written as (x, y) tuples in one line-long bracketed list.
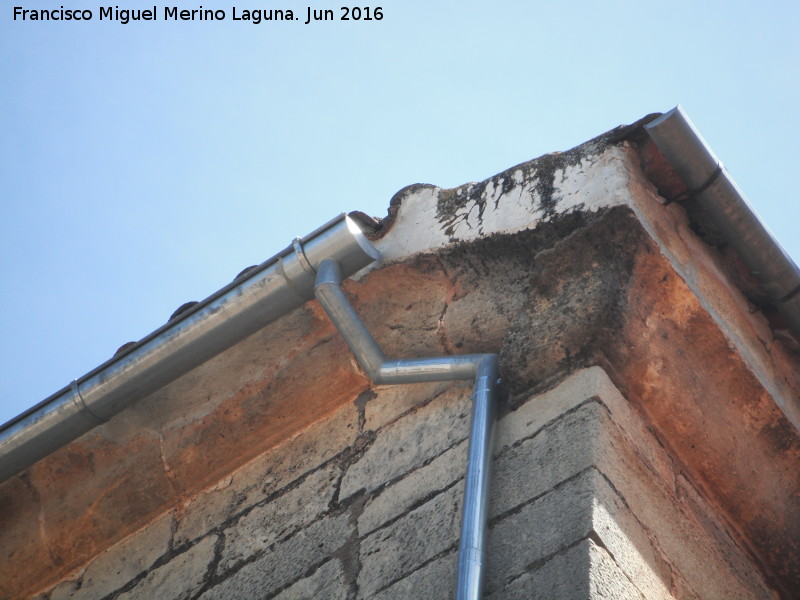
[(480, 367), (311, 266), (275, 288), (710, 184)]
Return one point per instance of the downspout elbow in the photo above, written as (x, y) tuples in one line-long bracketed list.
[(482, 368), (329, 293)]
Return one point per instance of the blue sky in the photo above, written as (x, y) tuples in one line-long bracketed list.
[(144, 165)]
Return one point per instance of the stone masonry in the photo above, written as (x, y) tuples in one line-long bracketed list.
[(365, 504)]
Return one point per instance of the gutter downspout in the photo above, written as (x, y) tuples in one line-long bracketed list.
[(709, 182), (275, 288), (480, 367)]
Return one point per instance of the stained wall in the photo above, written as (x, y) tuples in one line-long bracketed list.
[(647, 445)]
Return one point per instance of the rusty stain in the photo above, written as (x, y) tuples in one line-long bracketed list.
[(582, 289)]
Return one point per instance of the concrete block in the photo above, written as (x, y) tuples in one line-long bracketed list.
[(738, 562), (585, 504), (409, 442), (690, 546), (328, 582), (403, 495), (118, 565), (257, 419), (576, 509), (698, 559), (281, 516), (393, 552), (606, 579), (179, 579), (583, 438), (434, 581), (269, 473), (628, 543), (580, 386), (560, 450), (657, 540), (286, 562), (402, 304), (584, 571), (392, 401), (540, 529)]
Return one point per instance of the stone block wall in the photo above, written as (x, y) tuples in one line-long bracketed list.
[(366, 503), (276, 470)]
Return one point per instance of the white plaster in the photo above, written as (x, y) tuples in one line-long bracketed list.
[(598, 181), (595, 183), (412, 231)]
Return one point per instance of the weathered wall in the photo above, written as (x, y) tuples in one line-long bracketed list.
[(687, 488), (366, 503), (155, 455)]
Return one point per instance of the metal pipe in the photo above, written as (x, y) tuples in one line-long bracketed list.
[(480, 367), (441, 368), (276, 287), (475, 513), (709, 182), (346, 320)]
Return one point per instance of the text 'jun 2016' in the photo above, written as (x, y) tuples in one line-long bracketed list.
[(255, 16)]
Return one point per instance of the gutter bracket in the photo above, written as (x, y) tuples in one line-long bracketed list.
[(80, 403), (297, 244), (723, 202), (694, 192)]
